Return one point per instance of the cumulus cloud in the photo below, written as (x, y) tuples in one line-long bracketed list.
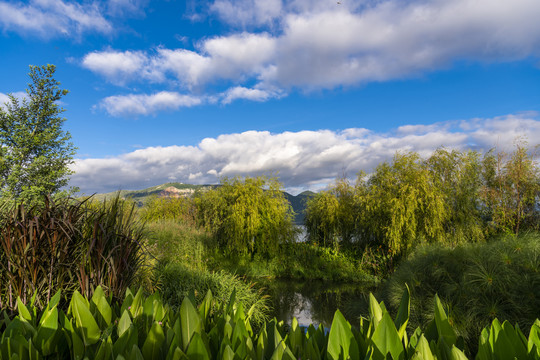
[(133, 104), (303, 160), (247, 12), (116, 66), (234, 57), (240, 92), (49, 18), (311, 45)]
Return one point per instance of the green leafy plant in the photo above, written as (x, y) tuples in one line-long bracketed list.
[(68, 245), (146, 328)]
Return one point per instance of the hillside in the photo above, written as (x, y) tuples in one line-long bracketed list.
[(176, 189)]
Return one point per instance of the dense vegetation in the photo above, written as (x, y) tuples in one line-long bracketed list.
[(452, 197), (458, 228), (60, 244), (147, 328), (477, 282)]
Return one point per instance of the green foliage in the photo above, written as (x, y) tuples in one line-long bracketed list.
[(476, 282), (301, 261), (403, 206), (247, 216), (458, 175), (511, 190), (177, 281), (181, 242), (146, 328), (330, 216), (451, 197), (181, 252), (64, 244), (34, 151), (164, 208)]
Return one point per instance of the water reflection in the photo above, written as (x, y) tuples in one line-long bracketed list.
[(315, 302)]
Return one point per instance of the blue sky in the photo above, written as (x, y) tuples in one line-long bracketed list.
[(191, 91)]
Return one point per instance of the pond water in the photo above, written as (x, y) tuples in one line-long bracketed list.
[(315, 302)]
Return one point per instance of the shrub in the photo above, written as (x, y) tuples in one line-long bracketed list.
[(177, 281), (65, 244), (476, 282)]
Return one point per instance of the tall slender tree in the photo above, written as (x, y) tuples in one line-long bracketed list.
[(35, 152)]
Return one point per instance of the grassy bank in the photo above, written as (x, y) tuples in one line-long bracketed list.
[(476, 283)]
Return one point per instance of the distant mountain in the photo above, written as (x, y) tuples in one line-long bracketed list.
[(298, 204), (177, 189)]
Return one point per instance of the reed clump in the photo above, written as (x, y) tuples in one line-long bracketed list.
[(66, 244)]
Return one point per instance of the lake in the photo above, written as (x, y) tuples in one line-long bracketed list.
[(315, 302)]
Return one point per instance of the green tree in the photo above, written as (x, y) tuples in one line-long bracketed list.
[(403, 206), (35, 153), (511, 190), (331, 216), (459, 177), (247, 216)]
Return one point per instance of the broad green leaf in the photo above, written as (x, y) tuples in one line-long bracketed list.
[(33, 353), (228, 353), (46, 337), (126, 341), (190, 321), (423, 349), (341, 341), (519, 347), (23, 310), (136, 305), (205, 306), (197, 350), (102, 305), (295, 338), (458, 354), (534, 338), (84, 320), (154, 341), (311, 350), (386, 338), (54, 301), (282, 352), (124, 323), (178, 354), (374, 310), (444, 328), (105, 351), (135, 353), (403, 314)]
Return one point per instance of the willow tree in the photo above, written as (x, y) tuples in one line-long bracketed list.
[(511, 190), (403, 206), (458, 175), (35, 151), (247, 216), (331, 216)]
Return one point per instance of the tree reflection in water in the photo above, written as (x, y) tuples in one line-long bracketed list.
[(315, 302)]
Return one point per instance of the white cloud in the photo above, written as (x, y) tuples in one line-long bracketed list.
[(312, 45), (240, 92), (234, 57), (303, 160), (247, 12), (49, 18), (133, 105), (116, 66), (393, 39)]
